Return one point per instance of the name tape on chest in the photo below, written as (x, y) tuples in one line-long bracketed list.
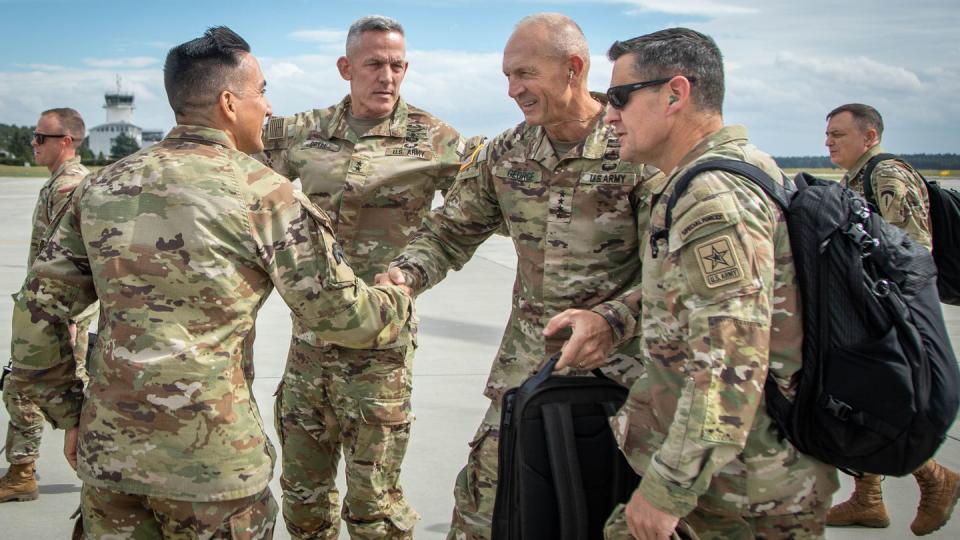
[(403, 151), (321, 144), (718, 262), (608, 178), (518, 175)]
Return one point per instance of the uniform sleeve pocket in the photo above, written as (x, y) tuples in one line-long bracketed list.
[(386, 412), (338, 275)]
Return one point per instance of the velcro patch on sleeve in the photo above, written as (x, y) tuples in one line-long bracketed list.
[(719, 264)]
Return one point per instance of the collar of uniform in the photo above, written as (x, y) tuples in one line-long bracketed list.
[(201, 134), (75, 160), (861, 163), (722, 136), (593, 147), (394, 125)]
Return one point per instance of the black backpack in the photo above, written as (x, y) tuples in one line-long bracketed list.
[(560, 472), (879, 385), (944, 224)]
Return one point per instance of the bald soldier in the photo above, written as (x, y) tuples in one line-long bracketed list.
[(58, 135), (720, 311), (556, 185), (853, 138), (182, 242), (373, 162)]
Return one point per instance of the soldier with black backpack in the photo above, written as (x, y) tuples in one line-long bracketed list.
[(720, 311), (900, 194)]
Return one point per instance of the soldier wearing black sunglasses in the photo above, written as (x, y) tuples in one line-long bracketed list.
[(58, 134)]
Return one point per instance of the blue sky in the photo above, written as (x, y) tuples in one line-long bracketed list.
[(788, 63)]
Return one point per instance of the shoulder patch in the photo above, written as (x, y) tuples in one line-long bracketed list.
[(481, 149), (718, 262)]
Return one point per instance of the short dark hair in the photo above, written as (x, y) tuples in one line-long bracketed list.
[(865, 116), (197, 71), (678, 51), (71, 122)]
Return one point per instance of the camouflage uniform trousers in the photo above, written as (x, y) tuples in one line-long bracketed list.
[(357, 402), (710, 526), (25, 428), (114, 514), (475, 489)]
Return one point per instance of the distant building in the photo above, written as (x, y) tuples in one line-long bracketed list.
[(151, 137), (119, 106)]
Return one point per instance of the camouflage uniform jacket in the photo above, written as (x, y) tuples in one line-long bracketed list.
[(53, 198), (182, 242), (376, 187), (720, 308), (574, 222), (900, 192)]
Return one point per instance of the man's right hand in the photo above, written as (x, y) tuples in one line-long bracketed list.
[(70, 446), (393, 277)]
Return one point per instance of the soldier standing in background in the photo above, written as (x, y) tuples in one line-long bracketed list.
[(556, 185), (182, 242), (720, 310), (853, 138), (58, 135), (373, 163)]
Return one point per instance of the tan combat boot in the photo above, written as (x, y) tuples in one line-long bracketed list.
[(939, 489), (19, 484), (865, 507)]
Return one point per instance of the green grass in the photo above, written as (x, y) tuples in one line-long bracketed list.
[(17, 171)]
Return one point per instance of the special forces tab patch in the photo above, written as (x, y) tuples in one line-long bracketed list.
[(718, 262)]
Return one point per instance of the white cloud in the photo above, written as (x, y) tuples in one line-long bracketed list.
[(133, 62), (41, 67), (854, 70)]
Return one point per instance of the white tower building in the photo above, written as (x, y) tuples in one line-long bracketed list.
[(119, 106)]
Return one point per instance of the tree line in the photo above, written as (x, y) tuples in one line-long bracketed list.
[(920, 161), (15, 147)]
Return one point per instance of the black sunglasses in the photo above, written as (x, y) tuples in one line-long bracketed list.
[(618, 96), (42, 137)]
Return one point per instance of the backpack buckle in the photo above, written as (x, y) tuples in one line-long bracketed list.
[(840, 410), (881, 289)]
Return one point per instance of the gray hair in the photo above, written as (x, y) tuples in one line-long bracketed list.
[(678, 51), (566, 37), (865, 116), (371, 23)]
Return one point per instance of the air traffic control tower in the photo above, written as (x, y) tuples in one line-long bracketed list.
[(119, 106)]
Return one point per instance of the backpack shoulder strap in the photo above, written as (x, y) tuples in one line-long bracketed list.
[(751, 172), (868, 175), (565, 466)]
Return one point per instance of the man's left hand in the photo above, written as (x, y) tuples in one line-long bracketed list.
[(589, 343)]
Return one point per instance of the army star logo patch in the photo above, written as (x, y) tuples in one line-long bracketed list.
[(718, 262)]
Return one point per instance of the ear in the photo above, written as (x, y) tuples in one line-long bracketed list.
[(227, 103), (678, 93), (871, 137), (343, 66), (576, 67)]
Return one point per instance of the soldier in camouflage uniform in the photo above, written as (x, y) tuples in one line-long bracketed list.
[(853, 138), (182, 242), (58, 134), (373, 163), (720, 310), (573, 209)]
